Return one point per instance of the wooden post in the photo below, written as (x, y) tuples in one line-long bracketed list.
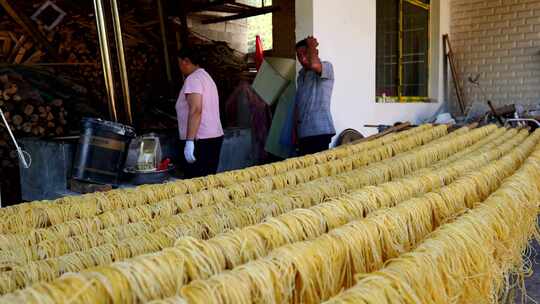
[(163, 29), (184, 31)]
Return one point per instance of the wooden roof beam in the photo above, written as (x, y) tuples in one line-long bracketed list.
[(249, 13), (193, 8), (29, 27)]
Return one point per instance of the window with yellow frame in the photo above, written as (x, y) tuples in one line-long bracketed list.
[(402, 69)]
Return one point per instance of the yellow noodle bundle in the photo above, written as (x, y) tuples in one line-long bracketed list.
[(45, 213), (62, 211), (322, 267), (304, 223), (146, 243), (466, 260), (118, 218)]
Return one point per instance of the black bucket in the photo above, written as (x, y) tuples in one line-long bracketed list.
[(102, 151)]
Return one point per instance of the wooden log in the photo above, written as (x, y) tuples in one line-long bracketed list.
[(11, 89), (17, 120), (57, 103), (29, 110), (83, 188), (22, 52), (27, 127), (35, 57), (18, 45), (397, 128), (506, 110), (456, 127)]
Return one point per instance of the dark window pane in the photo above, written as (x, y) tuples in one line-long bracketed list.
[(387, 47), (415, 50)]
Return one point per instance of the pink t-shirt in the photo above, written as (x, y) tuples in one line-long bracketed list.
[(201, 83)]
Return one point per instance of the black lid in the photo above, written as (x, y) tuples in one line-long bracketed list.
[(113, 127)]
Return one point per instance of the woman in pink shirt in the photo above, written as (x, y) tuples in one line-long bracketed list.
[(199, 124)]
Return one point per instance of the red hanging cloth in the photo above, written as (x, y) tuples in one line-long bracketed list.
[(259, 52)]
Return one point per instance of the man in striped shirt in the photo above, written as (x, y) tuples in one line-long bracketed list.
[(315, 126)]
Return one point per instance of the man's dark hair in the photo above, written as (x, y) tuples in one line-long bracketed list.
[(301, 44), (192, 55)]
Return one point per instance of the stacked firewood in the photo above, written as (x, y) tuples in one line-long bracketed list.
[(37, 102), (28, 114), (76, 43)]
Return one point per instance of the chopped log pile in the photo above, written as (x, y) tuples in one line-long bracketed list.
[(28, 114), (44, 96), (76, 44)]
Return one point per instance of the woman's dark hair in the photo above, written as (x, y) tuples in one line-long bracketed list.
[(302, 44), (192, 55)]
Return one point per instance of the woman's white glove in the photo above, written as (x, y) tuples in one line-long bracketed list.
[(189, 152)]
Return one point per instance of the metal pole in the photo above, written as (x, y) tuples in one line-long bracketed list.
[(164, 39), (20, 152), (105, 57), (121, 60)]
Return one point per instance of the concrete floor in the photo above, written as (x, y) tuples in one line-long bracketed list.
[(533, 283)]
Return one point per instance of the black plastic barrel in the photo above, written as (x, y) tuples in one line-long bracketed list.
[(102, 151)]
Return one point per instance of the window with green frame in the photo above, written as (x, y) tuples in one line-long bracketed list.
[(402, 69)]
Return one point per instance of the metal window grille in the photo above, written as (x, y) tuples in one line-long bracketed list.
[(402, 68)]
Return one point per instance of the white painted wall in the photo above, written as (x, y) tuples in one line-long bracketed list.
[(346, 30)]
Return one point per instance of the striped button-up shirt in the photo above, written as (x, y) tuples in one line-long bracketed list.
[(313, 98)]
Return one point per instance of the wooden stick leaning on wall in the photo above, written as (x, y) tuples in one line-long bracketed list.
[(448, 53)]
